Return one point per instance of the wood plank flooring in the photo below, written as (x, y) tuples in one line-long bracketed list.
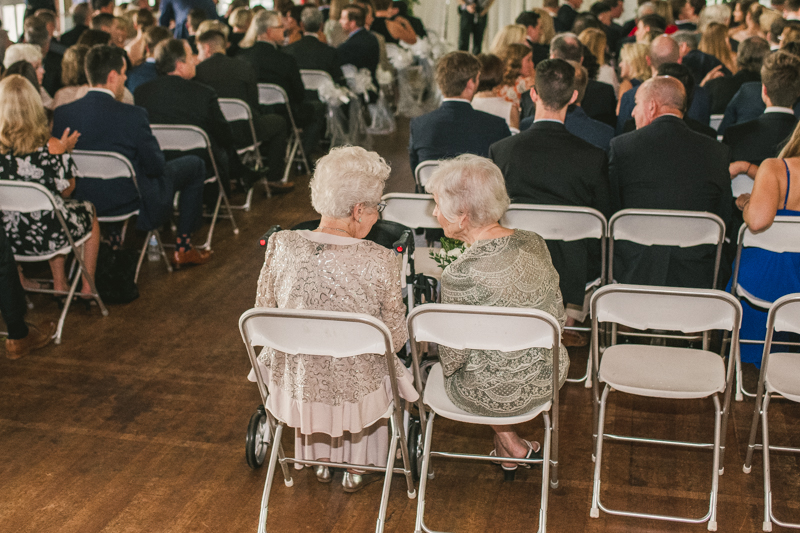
[(136, 423)]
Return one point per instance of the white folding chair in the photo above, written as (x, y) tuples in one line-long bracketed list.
[(108, 166), (414, 211), (423, 173), (24, 197), (235, 110), (333, 334), (272, 94), (313, 80), (662, 227), (742, 184), (564, 223), (661, 371), (780, 376), (783, 236), (715, 121), (483, 328), (184, 138)]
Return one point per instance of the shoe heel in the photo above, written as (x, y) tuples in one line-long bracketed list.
[(508, 475)]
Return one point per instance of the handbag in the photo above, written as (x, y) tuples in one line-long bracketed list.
[(114, 275)]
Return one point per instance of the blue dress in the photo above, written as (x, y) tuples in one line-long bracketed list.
[(768, 276)]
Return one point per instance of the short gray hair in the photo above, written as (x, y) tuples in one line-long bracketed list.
[(262, 21), (688, 37), (470, 185), (720, 13), (22, 52), (345, 177), (311, 19)]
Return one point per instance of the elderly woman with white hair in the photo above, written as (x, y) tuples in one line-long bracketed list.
[(337, 405), (33, 55), (504, 268)]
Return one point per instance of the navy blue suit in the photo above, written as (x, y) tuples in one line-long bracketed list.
[(453, 129), (361, 50), (141, 75), (582, 126), (178, 10), (759, 139), (700, 110), (747, 105)]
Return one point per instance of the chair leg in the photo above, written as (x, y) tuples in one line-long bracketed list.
[(423, 478), (712, 521), (739, 387), (224, 196), (273, 459), (548, 433), (161, 250), (63, 317), (757, 411), (290, 158), (214, 216), (588, 383), (767, 524), (595, 510), (387, 479)]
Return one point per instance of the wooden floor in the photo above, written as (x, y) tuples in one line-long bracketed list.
[(136, 423)]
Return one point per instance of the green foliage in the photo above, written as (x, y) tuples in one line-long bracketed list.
[(450, 251)]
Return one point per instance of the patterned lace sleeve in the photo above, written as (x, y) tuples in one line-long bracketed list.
[(265, 294), (393, 310)]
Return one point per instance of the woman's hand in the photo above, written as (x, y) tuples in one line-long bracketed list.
[(66, 143), (714, 73), (742, 167), (743, 200)]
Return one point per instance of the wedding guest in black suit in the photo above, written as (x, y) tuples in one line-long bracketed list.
[(567, 14), (473, 16), (233, 78), (762, 138), (36, 33), (455, 128), (665, 165), (106, 124), (310, 52), (145, 72), (749, 59), (361, 48), (699, 63), (546, 164), (530, 19), (81, 15)]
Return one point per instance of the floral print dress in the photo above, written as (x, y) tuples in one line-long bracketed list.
[(40, 232)]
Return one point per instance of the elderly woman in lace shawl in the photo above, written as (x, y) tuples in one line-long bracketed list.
[(337, 405), (501, 267)]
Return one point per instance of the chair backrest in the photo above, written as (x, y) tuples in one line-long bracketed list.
[(411, 210), (557, 222), (784, 315), (715, 121), (25, 197), (742, 184), (314, 79), (271, 94), (180, 138), (102, 165), (234, 109), (423, 172), (782, 236)]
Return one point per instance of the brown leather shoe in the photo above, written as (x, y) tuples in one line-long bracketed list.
[(279, 186), (38, 337), (193, 256)]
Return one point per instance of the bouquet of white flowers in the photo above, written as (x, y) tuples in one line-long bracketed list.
[(450, 251)]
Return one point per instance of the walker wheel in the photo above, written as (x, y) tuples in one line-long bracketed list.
[(257, 441), (415, 447)]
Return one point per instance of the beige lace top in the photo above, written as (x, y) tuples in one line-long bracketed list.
[(513, 271)]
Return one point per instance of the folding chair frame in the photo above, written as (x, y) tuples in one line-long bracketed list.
[(276, 426), (760, 411), (234, 109), (721, 413), (423, 167), (295, 146), (549, 459), (75, 247), (222, 196)]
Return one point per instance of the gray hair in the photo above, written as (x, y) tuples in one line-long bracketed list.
[(262, 21), (685, 36), (347, 176), (566, 46), (648, 8), (470, 185), (311, 19), (22, 52), (720, 13)]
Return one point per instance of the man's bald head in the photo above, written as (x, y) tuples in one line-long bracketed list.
[(663, 49), (661, 95)]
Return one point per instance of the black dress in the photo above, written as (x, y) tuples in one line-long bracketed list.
[(39, 232)]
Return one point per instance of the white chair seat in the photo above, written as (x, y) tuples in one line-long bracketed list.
[(660, 372), (783, 375), (46, 257), (436, 398), (118, 218)]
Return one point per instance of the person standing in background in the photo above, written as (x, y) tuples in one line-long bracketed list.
[(473, 22)]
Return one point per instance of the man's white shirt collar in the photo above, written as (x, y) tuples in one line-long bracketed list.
[(456, 100), (779, 109), (548, 120)]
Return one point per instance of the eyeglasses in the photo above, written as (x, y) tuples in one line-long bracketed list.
[(380, 207)]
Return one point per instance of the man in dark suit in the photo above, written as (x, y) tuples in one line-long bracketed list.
[(311, 53), (36, 33), (599, 101), (455, 128), (106, 124), (665, 165), (274, 66), (147, 71), (762, 138), (546, 164), (233, 78), (177, 11), (747, 105), (81, 15), (567, 13), (749, 59), (699, 63), (361, 49), (530, 19)]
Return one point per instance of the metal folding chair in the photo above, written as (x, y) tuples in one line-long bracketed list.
[(423, 173), (780, 376), (333, 334), (235, 110), (782, 236), (272, 94), (414, 211), (564, 223), (108, 166), (25, 197), (314, 79), (661, 371), (742, 184), (650, 227), (184, 138), (483, 328)]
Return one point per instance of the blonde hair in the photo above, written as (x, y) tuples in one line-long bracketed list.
[(768, 16), (240, 18), (595, 40), (547, 29), (262, 21), (792, 148), (348, 176), (715, 42), (213, 25), (336, 9), (663, 9), (23, 124), (719, 13), (635, 55), (511, 34)]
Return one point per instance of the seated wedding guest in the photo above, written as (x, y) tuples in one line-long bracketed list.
[(470, 200), (508, 35), (700, 64), (143, 20), (715, 42), (518, 73), (310, 52), (633, 67), (567, 14), (36, 34), (261, 49), (533, 35), (762, 138), (369, 14), (146, 71), (177, 11), (27, 153), (752, 26), (92, 38), (687, 13), (193, 21), (342, 423), (292, 30), (51, 21), (334, 33), (737, 22), (31, 54), (546, 164), (361, 48), (233, 78), (394, 28), (665, 165), (596, 41), (106, 124), (401, 8), (81, 17), (752, 52), (599, 102), (491, 78), (763, 274), (455, 128), (239, 21)]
